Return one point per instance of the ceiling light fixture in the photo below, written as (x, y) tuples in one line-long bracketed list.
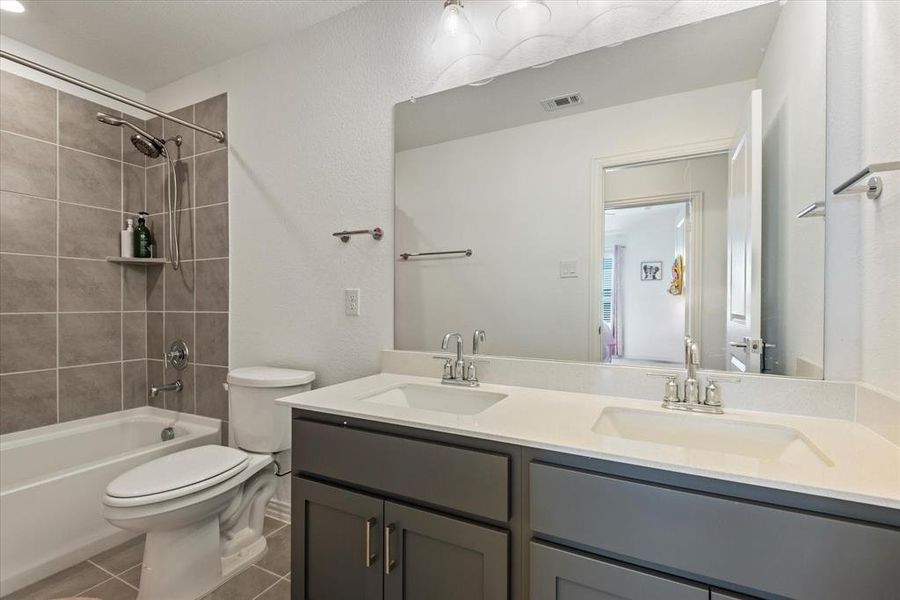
[(454, 28), (13, 6), (523, 17)]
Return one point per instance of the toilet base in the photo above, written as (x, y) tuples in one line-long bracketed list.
[(191, 560), (182, 564), (173, 569)]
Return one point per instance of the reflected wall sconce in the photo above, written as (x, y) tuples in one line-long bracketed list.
[(523, 17), (454, 27)]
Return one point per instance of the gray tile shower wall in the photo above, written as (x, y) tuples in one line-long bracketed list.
[(191, 303), (67, 317), (80, 336)]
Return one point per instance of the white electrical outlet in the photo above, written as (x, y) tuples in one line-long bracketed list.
[(568, 269), (351, 302)]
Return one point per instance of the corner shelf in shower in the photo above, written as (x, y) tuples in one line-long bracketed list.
[(137, 261)]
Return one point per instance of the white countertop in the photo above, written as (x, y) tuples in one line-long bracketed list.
[(865, 467)]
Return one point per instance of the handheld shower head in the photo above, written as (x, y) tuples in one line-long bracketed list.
[(146, 143), (109, 119)]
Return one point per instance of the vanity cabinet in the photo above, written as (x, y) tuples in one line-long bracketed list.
[(384, 511), (558, 574), (766, 549), (379, 514), (433, 557), (337, 543), (353, 546)]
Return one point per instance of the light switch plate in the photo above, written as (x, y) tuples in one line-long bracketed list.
[(568, 269), (351, 302)]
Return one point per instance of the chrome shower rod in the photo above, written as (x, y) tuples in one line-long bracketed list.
[(218, 135)]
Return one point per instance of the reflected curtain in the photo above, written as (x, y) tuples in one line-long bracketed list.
[(618, 320)]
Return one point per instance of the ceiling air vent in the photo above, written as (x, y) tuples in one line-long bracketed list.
[(561, 102)]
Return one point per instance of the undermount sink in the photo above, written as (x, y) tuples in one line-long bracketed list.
[(436, 399), (761, 441)]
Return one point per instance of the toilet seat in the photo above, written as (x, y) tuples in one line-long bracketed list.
[(176, 475)]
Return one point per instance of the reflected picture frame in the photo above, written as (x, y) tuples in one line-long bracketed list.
[(651, 270)]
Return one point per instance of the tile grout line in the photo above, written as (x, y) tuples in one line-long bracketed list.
[(107, 580), (121, 273), (193, 186), (274, 583), (64, 367), (57, 256), (146, 399), (111, 577), (63, 146)]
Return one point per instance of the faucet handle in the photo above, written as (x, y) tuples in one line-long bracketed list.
[(713, 395), (671, 395), (448, 366)]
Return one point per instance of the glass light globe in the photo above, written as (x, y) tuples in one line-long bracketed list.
[(523, 17)]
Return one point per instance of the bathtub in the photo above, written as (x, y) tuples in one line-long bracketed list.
[(52, 480)]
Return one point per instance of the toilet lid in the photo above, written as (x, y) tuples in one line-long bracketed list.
[(187, 471), (269, 377)]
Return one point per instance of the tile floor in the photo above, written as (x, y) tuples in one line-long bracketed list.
[(115, 574)]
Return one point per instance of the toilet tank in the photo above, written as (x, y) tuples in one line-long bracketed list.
[(257, 423)]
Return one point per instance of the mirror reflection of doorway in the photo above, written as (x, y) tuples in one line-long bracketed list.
[(644, 304), (660, 277)]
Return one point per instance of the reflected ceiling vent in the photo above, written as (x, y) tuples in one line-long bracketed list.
[(561, 102)]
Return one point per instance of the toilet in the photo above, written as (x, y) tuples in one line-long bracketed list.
[(202, 508)]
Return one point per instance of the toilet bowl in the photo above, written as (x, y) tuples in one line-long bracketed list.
[(203, 508)]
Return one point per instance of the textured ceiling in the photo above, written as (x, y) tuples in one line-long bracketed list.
[(151, 43)]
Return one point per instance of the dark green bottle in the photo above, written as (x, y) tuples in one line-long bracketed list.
[(143, 240)]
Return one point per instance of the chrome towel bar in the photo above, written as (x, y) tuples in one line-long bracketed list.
[(377, 233), (816, 209), (873, 186), (408, 255)]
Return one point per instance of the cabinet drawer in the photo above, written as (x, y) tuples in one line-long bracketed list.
[(468, 481), (754, 547), (561, 575)]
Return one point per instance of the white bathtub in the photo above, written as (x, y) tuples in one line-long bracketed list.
[(52, 480)]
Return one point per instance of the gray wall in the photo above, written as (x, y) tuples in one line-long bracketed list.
[(74, 328)]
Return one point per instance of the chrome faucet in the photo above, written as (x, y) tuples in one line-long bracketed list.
[(458, 368), (690, 399), (456, 372), (175, 386), (691, 362)]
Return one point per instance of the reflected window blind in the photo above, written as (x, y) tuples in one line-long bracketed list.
[(607, 295)]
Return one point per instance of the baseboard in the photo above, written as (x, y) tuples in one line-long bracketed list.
[(278, 509)]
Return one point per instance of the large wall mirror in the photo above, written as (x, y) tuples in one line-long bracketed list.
[(603, 207)]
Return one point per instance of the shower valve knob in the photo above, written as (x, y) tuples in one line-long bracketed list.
[(177, 356)]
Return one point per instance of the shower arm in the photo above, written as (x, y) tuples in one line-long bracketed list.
[(217, 135)]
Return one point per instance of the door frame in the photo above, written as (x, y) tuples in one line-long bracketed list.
[(599, 167)]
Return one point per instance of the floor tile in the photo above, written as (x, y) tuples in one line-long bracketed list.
[(111, 590), (122, 557), (271, 525), (279, 591), (132, 576), (69, 582), (278, 557), (244, 586)]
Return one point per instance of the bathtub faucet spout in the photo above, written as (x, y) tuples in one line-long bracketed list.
[(177, 386)]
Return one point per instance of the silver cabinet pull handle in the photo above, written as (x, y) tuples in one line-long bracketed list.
[(388, 563), (370, 556)]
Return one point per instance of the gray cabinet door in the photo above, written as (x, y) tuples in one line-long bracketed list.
[(433, 557), (337, 543), (561, 575)]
